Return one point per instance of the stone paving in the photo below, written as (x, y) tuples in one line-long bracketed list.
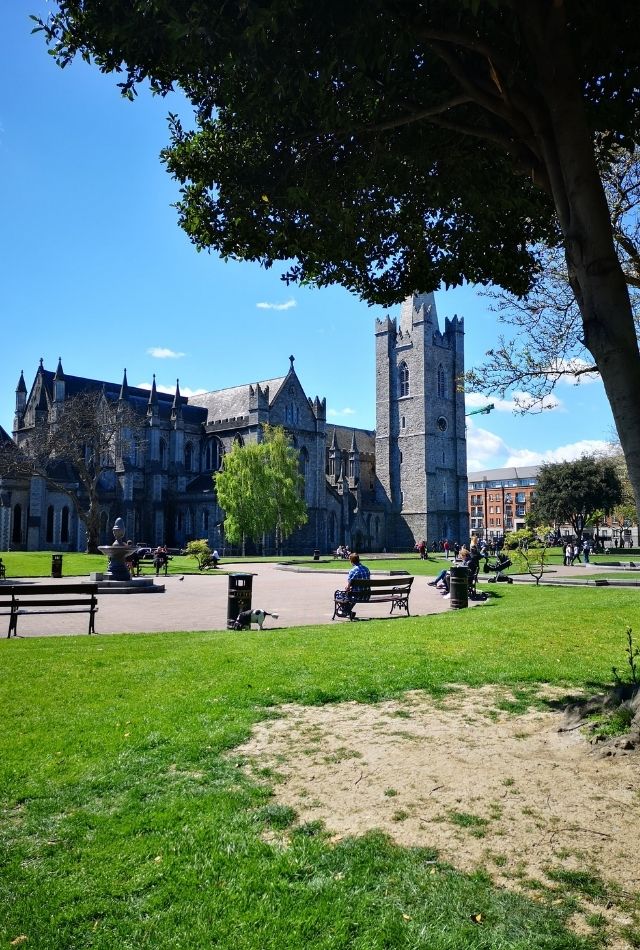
[(199, 602)]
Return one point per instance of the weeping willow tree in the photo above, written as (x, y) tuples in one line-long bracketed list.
[(260, 489)]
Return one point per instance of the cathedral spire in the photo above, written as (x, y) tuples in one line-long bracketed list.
[(124, 388)]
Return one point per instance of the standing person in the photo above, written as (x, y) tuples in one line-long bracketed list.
[(568, 554), (446, 548), (422, 550), (576, 554), (348, 598), (586, 550)]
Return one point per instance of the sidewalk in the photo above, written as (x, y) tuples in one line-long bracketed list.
[(199, 602)]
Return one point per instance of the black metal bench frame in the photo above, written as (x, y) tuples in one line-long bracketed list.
[(48, 599), (375, 590)]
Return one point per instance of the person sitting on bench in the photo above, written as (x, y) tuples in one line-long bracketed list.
[(349, 598)]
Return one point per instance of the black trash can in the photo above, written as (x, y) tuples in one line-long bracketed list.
[(459, 587), (316, 555), (239, 596), (56, 565)]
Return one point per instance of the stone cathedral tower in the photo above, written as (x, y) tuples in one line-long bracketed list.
[(421, 454)]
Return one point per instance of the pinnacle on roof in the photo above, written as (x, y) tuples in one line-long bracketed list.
[(153, 395), (177, 398), (354, 447), (59, 370), (334, 441), (22, 386), (124, 388)]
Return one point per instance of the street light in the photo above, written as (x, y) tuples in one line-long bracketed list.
[(485, 410)]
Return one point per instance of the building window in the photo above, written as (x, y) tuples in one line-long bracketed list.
[(441, 382), (404, 379), (16, 534), (213, 455), (188, 457), (49, 534), (402, 422), (64, 525), (401, 458), (163, 453), (205, 520)]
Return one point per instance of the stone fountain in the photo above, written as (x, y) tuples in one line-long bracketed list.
[(117, 552), (117, 579)]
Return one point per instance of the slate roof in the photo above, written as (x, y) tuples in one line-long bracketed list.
[(365, 439), (233, 402), (505, 474), (137, 397)]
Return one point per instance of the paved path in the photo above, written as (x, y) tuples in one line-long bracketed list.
[(199, 602)]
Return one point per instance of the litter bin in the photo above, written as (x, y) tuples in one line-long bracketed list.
[(316, 554), (56, 565), (239, 596), (459, 587)]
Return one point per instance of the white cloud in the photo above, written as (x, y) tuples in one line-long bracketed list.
[(171, 389), (347, 411), (569, 368), (564, 453), (164, 353), (521, 400), (483, 448), (277, 306)]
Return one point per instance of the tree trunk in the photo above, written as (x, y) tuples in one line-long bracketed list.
[(596, 276)]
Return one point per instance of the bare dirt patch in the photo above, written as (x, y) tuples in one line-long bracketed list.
[(487, 788)]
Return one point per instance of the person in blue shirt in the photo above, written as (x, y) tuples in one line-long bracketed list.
[(348, 598)]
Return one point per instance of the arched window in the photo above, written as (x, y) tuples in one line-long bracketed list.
[(16, 534), (188, 457), (303, 468), (49, 534), (64, 525), (163, 453), (332, 529), (404, 379), (205, 520), (212, 455), (441, 381)]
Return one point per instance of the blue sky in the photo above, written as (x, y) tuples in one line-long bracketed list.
[(94, 268)]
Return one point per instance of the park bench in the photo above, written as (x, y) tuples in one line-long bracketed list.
[(375, 590), (19, 599)]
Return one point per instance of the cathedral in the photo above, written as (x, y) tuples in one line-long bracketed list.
[(371, 490)]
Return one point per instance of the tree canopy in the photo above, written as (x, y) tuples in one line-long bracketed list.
[(78, 453), (391, 146), (572, 492), (260, 488)]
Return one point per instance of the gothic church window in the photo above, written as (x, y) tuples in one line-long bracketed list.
[(404, 379), (64, 525), (163, 453), (213, 455), (303, 468), (16, 534), (441, 381), (188, 457), (49, 534)]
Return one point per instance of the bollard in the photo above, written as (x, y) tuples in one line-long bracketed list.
[(56, 565)]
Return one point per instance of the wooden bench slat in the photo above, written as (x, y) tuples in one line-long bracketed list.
[(378, 590), (49, 599)]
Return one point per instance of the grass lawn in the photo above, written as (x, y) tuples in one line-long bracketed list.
[(127, 823)]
